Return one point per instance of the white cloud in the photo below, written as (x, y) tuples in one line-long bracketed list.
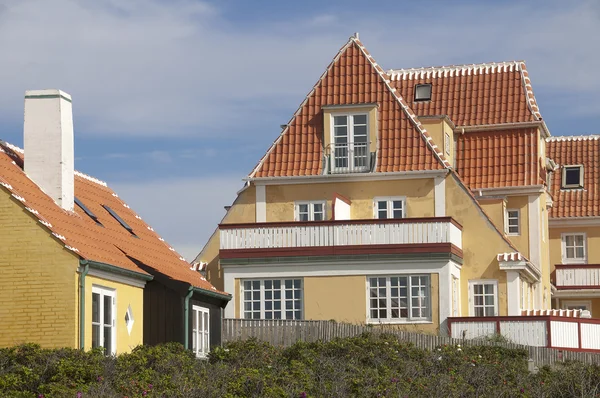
[(145, 67), (185, 212)]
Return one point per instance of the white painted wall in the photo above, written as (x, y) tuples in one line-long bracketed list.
[(342, 209)]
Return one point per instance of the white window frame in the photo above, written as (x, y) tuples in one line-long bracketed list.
[(283, 299), (424, 99), (388, 298), (106, 292), (390, 200), (507, 220), (564, 304), (566, 260), (311, 209), (564, 177), (200, 331), (472, 284), (350, 142)]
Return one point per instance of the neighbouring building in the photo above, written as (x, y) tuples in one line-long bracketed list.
[(404, 197), (79, 267)]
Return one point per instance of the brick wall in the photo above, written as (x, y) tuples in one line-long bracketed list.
[(38, 282)]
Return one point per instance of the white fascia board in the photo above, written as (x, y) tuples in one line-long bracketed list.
[(573, 222), (352, 177), (508, 191), (529, 271)]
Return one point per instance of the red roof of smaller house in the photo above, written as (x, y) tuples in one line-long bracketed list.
[(109, 243), (575, 150)]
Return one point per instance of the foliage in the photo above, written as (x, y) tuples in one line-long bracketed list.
[(364, 366)]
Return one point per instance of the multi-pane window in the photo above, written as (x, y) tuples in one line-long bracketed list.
[(573, 248), (310, 211), (399, 298), (484, 298), (200, 331), (512, 221), (103, 319), (350, 143), (389, 208), (272, 299), (572, 176)]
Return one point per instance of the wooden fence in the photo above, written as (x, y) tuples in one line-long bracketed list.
[(286, 333)]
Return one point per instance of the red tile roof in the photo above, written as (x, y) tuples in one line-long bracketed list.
[(499, 158), (575, 150), (353, 77), (111, 243), (470, 95)]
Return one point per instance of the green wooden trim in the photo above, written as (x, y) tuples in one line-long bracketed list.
[(47, 96), (208, 293), (116, 270)]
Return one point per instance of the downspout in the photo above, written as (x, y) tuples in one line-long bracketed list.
[(186, 318), (82, 275)]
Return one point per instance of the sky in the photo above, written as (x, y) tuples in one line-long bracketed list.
[(175, 101)]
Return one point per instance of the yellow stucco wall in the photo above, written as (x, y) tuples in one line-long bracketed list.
[(592, 244), (478, 233), (342, 298), (243, 210), (126, 295), (437, 129), (419, 197), (38, 282), (494, 208)]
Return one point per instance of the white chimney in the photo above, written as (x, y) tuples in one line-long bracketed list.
[(49, 149)]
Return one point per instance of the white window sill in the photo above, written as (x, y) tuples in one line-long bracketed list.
[(397, 322), (572, 261)]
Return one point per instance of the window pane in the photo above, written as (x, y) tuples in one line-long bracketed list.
[(277, 284), (268, 284), (108, 310), (489, 289), (572, 176), (339, 120), (423, 92), (95, 336), (478, 289), (95, 307), (579, 252), (570, 252), (108, 339), (579, 240), (570, 240), (489, 311), (360, 119)]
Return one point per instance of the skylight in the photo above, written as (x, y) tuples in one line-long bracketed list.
[(572, 176), (87, 211), (423, 92), (119, 219)]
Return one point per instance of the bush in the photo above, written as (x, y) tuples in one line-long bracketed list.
[(363, 366)]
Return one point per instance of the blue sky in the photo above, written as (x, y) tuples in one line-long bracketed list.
[(175, 101)]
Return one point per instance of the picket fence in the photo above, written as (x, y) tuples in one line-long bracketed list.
[(287, 332)]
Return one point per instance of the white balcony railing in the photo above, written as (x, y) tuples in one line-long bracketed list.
[(350, 158), (577, 276), (340, 233)]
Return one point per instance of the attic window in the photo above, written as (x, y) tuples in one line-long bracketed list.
[(119, 219), (572, 176), (423, 92), (87, 211)]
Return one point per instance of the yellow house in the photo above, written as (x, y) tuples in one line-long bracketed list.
[(77, 263), (399, 197), (575, 222)]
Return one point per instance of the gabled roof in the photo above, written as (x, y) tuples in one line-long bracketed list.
[(499, 158), (575, 150), (109, 243), (353, 77), (477, 94)]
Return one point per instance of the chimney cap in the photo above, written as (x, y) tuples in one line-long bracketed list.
[(48, 93)]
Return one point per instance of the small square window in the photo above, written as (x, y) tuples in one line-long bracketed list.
[(512, 222), (572, 176), (389, 207), (447, 144), (310, 211), (423, 92)]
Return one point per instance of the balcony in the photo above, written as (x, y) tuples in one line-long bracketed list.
[(350, 158), (577, 276), (341, 237)]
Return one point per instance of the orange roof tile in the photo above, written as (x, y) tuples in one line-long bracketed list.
[(353, 77), (477, 94), (111, 243), (575, 150), (499, 158)]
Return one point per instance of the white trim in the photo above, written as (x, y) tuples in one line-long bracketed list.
[(586, 303), (513, 292), (507, 222), (109, 276), (509, 191), (389, 200), (535, 249), (112, 293), (563, 182), (474, 282), (202, 331), (346, 268), (311, 209), (439, 196), (350, 137), (563, 248), (261, 203), (350, 177), (573, 293), (573, 222), (283, 309)]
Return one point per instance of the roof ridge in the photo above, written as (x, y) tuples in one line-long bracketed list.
[(562, 138), (487, 67), (90, 178)]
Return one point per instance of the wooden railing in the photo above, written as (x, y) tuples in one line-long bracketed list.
[(540, 331), (340, 233), (577, 276)]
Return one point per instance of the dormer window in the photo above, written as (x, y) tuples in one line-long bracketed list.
[(350, 143), (572, 176), (423, 92)]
